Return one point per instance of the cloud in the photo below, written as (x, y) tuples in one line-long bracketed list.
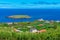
[(29, 3), (23, 6)]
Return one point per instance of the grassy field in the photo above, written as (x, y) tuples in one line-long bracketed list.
[(52, 31)]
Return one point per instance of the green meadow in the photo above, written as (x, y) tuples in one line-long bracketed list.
[(8, 31)]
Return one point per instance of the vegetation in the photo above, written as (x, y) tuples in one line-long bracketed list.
[(19, 16), (7, 32)]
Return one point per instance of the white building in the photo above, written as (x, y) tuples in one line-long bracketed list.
[(29, 26), (40, 19), (47, 21), (9, 23), (58, 21), (33, 30)]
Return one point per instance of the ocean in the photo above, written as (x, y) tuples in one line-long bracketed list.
[(46, 14)]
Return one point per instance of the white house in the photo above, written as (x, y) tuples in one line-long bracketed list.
[(47, 21), (33, 30), (40, 19), (58, 21), (29, 26), (9, 23)]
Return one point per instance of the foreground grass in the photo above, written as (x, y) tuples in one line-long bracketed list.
[(7, 33)]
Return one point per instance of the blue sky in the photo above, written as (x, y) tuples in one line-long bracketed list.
[(29, 3)]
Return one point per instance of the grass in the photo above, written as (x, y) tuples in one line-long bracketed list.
[(52, 33)]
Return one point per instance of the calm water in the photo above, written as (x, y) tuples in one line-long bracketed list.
[(47, 14)]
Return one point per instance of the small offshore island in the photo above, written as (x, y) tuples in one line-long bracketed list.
[(37, 30)]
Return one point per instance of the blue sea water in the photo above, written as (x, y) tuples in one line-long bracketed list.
[(46, 14)]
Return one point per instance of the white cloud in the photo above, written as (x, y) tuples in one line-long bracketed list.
[(29, 6)]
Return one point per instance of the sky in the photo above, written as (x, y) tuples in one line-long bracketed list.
[(29, 4)]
